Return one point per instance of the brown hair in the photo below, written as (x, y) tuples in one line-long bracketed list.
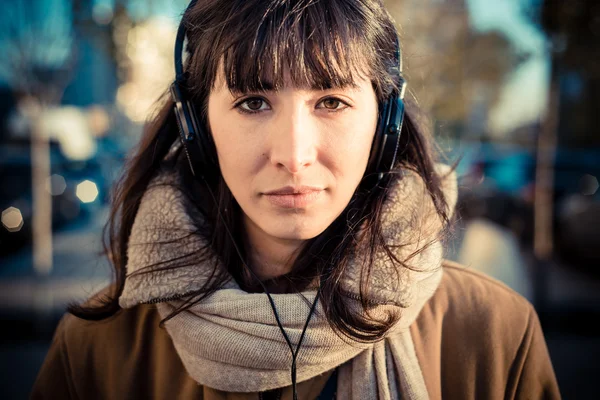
[(322, 44)]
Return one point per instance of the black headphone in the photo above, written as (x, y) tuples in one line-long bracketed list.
[(197, 145)]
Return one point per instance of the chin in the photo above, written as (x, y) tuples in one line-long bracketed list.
[(295, 230)]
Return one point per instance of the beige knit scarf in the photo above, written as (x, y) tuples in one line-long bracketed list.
[(231, 341)]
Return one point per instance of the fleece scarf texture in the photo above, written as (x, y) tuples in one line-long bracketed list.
[(230, 341)]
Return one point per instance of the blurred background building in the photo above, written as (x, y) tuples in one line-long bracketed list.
[(511, 89)]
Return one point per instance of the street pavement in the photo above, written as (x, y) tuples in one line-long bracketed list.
[(79, 269), (30, 305)]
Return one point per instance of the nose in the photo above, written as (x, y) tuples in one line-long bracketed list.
[(294, 141)]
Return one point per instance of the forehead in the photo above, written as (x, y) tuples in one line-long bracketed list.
[(356, 84)]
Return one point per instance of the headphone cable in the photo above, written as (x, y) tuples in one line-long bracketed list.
[(271, 301)]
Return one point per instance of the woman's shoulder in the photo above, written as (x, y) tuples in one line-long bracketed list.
[(471, 289), (491, 331), (469, 304), (119, 354), (130, 330), (480, 316)]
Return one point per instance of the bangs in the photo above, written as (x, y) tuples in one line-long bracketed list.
[(312, 44), (305, 44)]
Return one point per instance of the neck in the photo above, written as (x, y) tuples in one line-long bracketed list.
[(269, 257)]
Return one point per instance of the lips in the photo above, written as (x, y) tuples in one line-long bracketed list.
[(294, 190), (294, 196)]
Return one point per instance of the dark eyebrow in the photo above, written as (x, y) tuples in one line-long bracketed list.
[(239, 91), (269, 87)]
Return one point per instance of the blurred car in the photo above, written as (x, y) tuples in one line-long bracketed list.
[(71, 201), (499, 185)]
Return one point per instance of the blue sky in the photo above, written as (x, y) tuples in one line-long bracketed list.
[(524, 97)]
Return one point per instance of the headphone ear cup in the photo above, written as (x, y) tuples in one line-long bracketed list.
[(387, 136), (377, 144), (203, 141), (192, 136), (392, 132)]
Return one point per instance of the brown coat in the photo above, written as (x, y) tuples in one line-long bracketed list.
[(475, 339)]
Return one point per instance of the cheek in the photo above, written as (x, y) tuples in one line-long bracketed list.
[(239, 156), (223, 135), (348, 153), (231, 153)]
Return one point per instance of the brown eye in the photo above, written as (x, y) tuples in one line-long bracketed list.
[(331, 104), (254, 104)]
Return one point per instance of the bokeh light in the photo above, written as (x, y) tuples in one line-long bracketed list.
[(56, 185), (70, 127), (102, 13), (12, 219), (99, 121), (87, 191), (588, 184), (148, 50)]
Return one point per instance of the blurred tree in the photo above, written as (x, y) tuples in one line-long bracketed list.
[(574, 26), (38, 55), (455, 73), (38, 59), (574, 29)]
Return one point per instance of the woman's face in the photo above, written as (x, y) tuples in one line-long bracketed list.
[(293, 158)]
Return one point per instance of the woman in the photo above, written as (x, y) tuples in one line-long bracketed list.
[(289, 236)]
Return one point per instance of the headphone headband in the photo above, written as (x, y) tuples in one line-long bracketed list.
[(179, 74)]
